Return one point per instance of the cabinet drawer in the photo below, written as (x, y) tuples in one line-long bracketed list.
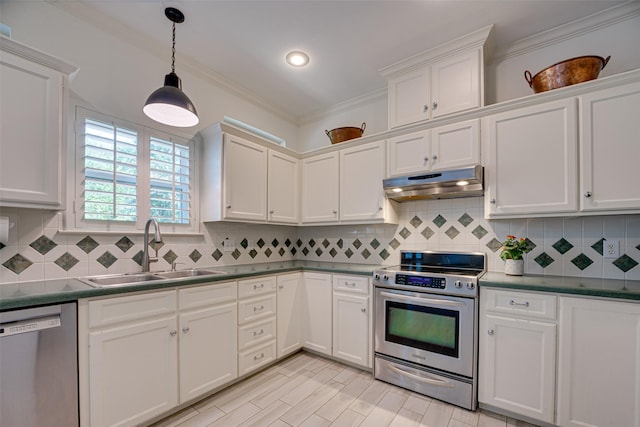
[(123, 309), (253, 359), (254, 287), (526, 304), (199, 296), (355, 284), (256, 308), (256, 333)]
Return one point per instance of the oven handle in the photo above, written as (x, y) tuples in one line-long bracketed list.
[(424, 300), (433, 381)]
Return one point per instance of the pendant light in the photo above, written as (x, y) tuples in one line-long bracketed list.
[(169, 104)]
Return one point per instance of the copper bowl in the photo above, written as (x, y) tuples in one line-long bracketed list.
[(566, 73), (346, 133)]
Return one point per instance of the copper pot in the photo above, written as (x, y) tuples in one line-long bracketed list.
[(346, 133), (566, 73)]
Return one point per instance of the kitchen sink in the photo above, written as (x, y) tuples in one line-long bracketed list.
[(188, 273), (120, 279)]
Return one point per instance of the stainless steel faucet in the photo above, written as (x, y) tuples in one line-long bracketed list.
[(157, 238)]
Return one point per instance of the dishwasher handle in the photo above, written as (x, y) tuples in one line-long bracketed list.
[(29, 325)]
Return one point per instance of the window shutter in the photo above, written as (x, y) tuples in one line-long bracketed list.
[(169, 170)]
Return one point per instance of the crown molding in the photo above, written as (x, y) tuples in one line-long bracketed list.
[(591, 23), (347, 105)]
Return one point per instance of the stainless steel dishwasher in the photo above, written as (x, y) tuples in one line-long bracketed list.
[(39, 367)]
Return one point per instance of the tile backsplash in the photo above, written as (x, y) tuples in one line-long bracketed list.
[(36, 249)]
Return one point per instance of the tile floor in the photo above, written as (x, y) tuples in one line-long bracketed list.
[(308, 390)]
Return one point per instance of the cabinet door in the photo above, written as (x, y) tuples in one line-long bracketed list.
[(283, 192), (517, 366), (361, 175), (351, 335), (245, 180), (455, 145), (32, 117), (208, 349), (610, 149), (599, 363), (320, 184), (133, 371), (316, 312), (289, 336), (455, 84), (409, 98), (408, 153), (532, 160)]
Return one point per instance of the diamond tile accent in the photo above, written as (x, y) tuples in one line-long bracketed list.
[(275, 243), (281, 251), (294, 251), (582, 261), (17, 263), (465, 219), (374, 243), (170, 256), (107, 259), (217, 254), (253, 253), (415, 221), (333, 252), (529, 245), (357, 243), (312, 243), (260, 243), (625, 263), (452, 232), (124, 244), (394, 243), (637, 247), (195, 255), (244, 243), (439, 221), (544, 260), (325, 243), (87, 244), (156, 245), (494, 244), (299, 242), (340, 243), (348, 253), (598, 246), (384, 254), (305, 251), (138, 258), (427, 233), (236, 253), (479, 232), (2, 245), (43, 244), (287, 242), (365, 253), (318, 251), (563, 246), (405, 233), (66, 261), (268, 252)]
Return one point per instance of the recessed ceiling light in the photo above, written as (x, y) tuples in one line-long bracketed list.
[(297, 58), (397, 190)]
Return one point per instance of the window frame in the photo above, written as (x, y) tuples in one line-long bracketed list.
[(74, 216)]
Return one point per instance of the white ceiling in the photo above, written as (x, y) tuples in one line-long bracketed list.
[(245, 41)]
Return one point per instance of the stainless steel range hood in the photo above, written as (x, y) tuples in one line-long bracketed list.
[(445, 184)]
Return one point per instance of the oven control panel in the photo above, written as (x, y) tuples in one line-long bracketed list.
[(421, 281)]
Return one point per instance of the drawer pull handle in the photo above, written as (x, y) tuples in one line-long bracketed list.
[(173, 333), (256, 333), (258, 308), (523, 304), (186, 329), (258, 357), (353, 284), (256, 287)]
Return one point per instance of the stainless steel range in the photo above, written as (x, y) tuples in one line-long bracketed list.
[(426, 324)]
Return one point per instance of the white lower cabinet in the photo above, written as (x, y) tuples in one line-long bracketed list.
[(599, 363), (316, 308), (289, 338), (518, 353), (352, 321)]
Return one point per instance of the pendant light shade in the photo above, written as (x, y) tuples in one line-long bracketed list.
[(169, 104)]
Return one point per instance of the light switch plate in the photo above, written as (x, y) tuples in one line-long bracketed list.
[(229, 245), (612, 248)]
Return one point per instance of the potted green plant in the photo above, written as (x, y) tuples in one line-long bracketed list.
[(512, 251)]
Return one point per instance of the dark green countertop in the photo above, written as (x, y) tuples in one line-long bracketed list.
[(602, 288), (27, 294)]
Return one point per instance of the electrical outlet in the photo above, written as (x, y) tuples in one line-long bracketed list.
[(611, 248), (229, 245)]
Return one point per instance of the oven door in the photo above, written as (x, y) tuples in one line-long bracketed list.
[(427, 329)]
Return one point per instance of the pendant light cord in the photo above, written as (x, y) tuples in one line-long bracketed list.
[(173, 50)]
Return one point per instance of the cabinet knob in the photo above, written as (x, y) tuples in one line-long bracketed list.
[(435, 104), (186, 329), (281, 287), (271, 212), (228, 206), (434, 158), (364, 310), (335, 212), (425, 108), (588, 194), (426, 159), (490, 331), (380, 208), (173, 333), (492, 201)]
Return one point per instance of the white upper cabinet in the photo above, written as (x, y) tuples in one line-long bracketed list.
[(440, 81), (34, 98), (530, 156), (320, 182), (610, 149), (443, 147), (283, 191)]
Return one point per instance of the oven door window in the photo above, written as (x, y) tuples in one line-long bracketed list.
[(427, 328)]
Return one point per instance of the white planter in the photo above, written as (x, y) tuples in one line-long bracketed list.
[(514, 267)]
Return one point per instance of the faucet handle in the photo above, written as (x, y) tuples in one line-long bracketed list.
[(173, 265)]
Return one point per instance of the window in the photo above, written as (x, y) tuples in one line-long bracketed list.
[(126, 173)]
